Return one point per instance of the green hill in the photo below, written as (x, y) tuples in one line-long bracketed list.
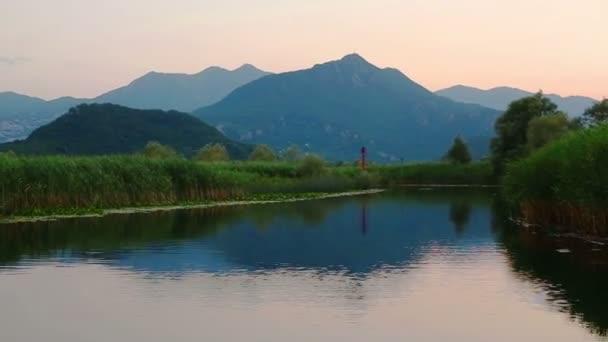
[(94, 129), (21, 114), (336, 107)]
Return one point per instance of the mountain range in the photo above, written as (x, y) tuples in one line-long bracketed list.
[(333, 109), (336, 107), (499, 98), (21, 114), (181, 92), (96, 129)]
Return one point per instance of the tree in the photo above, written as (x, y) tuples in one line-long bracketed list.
[(263, 153), (542, 130), (459, 152), (212, 153), (511, 128), (155, 149), (596, 114), (292, 154)]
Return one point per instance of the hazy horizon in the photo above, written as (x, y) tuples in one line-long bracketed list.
[(83, 49)]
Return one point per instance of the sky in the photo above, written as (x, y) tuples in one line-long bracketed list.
[(83, 48)]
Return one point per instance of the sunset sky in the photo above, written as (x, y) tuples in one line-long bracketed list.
[(85, 47)]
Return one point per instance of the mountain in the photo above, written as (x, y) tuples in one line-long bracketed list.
[(337, 107), (499, 98), (21, 114), (94, 129), (181, 92)]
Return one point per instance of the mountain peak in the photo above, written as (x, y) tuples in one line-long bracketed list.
[(247, 67), (349, 64), (354, 58)]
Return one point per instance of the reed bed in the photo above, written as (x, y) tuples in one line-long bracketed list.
[(564, 184), (71, 185), (33, 184), (478, 173)]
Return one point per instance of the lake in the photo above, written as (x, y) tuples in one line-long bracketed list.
[(397, 266)]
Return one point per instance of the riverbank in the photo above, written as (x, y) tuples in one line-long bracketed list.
[(278, 198)]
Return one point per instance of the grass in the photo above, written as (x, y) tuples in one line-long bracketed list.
[(478, 173), (59, 184), (564, 184)]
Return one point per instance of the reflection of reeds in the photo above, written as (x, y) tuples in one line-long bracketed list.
[(591, 221)]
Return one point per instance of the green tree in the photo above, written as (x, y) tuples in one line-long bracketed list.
[(459, 152), (511, 128), (596, 114), (292, 154), (212, 153), (263, 153), (311, 166), (155, 149), (544, 129)]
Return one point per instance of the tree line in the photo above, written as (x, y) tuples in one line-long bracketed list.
[(527, 125)]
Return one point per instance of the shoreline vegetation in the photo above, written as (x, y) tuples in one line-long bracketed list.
[(564, 185), (41, 186), (553, 168)]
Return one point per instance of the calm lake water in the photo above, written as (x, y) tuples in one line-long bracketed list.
[(407, 266)]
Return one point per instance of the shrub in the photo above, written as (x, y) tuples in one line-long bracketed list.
[(564, 183), (292, 154), (212, 153), (263, 153), (311, 166), (155, 149)]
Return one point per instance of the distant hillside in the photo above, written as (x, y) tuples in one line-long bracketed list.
[(94, 129), (181, 92), (21, 114), (337, 107), (500, 98)]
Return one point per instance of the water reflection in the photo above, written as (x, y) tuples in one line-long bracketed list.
[(460, 213), (357, 236), (392, 260), (573, 273)]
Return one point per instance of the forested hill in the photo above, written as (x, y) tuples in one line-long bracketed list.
[(95, 129)]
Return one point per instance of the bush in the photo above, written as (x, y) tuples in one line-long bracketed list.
[(574, 169), (212, 153), (263, 153), (292, 154), (564, 184), (154, 149), (311, 166)]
